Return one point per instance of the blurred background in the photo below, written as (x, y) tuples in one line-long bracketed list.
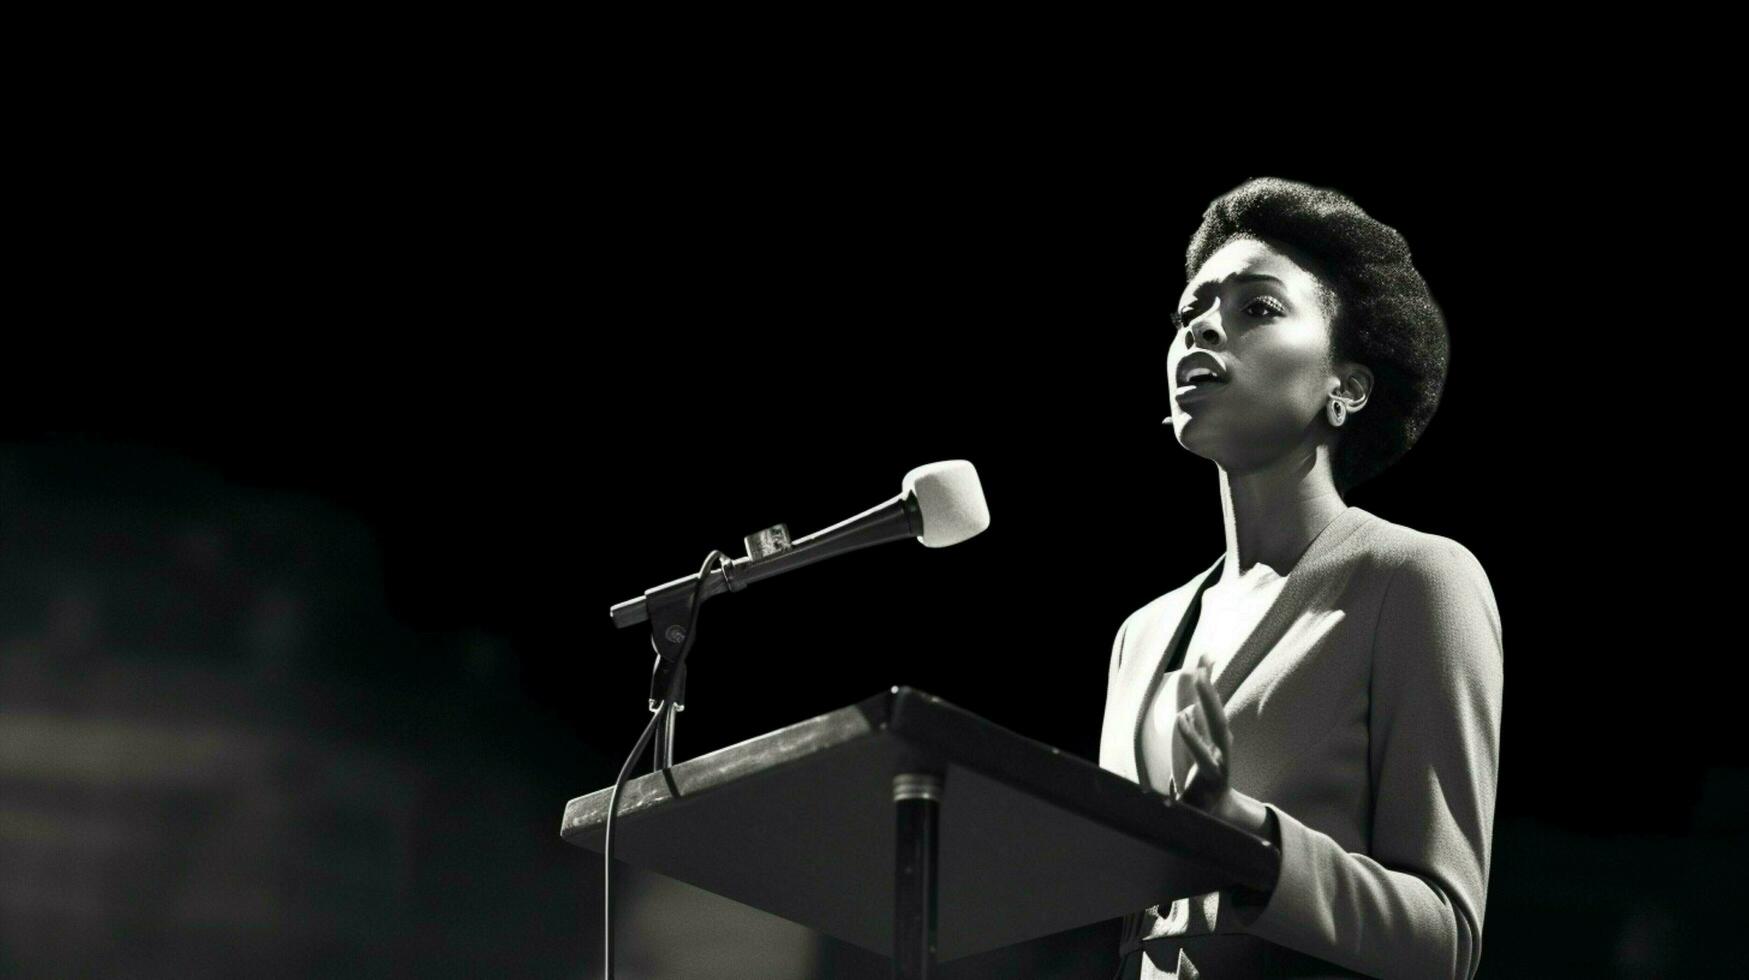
[(328, 437)]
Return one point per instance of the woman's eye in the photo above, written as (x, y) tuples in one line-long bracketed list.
[(1267, 305)]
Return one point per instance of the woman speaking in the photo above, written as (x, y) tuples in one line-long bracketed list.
[(1333, 682)]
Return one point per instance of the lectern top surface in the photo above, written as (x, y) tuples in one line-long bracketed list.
[(799, 822)]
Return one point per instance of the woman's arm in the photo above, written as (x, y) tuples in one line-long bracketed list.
[(1412, 907)]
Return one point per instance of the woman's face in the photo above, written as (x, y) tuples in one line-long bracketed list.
[(1256, 319)]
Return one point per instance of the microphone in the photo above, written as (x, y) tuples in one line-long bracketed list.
[(940, 504)]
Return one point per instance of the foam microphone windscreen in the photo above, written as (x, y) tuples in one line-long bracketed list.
[(951, 499)]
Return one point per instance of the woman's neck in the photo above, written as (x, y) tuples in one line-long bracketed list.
[(1273, 513)]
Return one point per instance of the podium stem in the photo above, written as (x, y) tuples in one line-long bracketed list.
[(917, 809)]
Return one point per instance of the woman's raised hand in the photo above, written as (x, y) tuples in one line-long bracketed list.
[(1203, 727)]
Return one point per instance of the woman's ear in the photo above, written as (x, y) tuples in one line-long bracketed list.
[(1355, 386)]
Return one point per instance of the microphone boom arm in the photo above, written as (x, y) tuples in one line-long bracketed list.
[(893, 520)]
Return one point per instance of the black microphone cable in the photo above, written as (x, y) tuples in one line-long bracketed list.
[(644, 741)]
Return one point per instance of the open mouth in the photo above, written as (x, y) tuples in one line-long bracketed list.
[(1200, 371), (1201, 368)]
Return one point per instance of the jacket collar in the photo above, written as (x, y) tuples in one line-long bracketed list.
[(1308, 583)]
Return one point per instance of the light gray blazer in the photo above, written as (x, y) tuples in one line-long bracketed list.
[(1365, 712)]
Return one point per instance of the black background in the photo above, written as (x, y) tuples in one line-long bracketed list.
[(549, 364)]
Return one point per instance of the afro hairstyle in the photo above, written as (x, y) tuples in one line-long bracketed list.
[(1385, 318)]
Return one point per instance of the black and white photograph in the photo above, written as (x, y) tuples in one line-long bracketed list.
[(1034, 545)]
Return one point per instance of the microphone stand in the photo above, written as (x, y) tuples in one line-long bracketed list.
[(664, 750), (669, 612), (668, 607)]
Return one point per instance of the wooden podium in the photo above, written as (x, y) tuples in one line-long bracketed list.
[(916, 829)]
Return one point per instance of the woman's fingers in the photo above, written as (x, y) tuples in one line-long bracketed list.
[(1207, 738), (1199, 748), (1214, 715)]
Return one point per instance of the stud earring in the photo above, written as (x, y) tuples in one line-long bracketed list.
[(1337, 412)]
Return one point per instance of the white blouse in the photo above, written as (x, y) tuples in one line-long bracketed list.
[(1231, 609)]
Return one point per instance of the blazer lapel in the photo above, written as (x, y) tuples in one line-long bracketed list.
[(1156, 661), (1308, 584)]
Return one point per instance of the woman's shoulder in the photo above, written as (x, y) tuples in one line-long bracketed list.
[(1438, 623), (1402, 549), (1430, 579)]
